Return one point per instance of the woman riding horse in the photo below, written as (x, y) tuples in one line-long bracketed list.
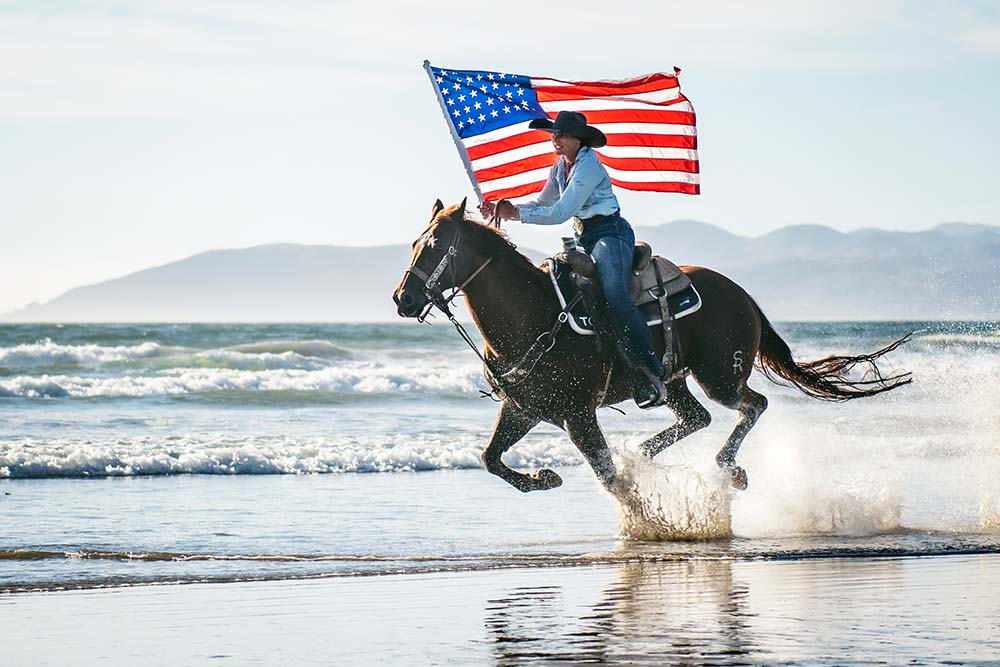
[(556, 376), (579, 186)]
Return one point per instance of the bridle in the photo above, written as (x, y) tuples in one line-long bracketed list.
[(499, 382), (433, 292)]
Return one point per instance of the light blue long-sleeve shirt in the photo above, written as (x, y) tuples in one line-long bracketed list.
[(582, 193)]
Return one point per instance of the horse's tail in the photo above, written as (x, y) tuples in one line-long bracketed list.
[(824, 378)]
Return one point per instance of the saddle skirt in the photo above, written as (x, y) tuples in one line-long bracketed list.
[(649, 273)]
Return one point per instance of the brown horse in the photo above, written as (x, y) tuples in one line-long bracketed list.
[(564, 380)]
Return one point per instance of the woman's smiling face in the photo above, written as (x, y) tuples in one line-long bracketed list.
[(566, 144)]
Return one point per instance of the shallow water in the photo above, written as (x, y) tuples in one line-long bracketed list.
[(72, 533)]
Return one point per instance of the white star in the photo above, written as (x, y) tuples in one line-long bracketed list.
[(490, 77), (470, 120), (479, 77), (482, 88), (467, 109), (456, 86), (478, 105), (468, 79), (494, 113), (495, 86), (428, 240), (482, 117), (520, 91), (461, 125), (472, 93), (506, 109), (502, 75), (440, 80), (489, 100), (451, 101), (509, 94), (461, 98), (456, 113)]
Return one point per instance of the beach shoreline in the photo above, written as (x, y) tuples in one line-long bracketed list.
[(850, 611)]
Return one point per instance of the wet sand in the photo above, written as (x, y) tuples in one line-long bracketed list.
[(813, 611)]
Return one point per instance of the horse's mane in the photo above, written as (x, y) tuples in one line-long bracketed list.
[(494, 242)]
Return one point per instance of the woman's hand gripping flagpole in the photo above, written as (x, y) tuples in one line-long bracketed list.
[(502, 210)]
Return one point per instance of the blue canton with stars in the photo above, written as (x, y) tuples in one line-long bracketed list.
[(479, 102)]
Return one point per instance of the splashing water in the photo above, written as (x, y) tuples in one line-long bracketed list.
[(989, 514), (671, 502)]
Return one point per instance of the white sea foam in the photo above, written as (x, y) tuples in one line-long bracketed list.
[(230, 455), (47, 353), (363, 377)]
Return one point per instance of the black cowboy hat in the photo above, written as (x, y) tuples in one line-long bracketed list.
[(574, 124)]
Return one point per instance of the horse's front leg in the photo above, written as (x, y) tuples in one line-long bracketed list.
[(512, 425), (586, 434)]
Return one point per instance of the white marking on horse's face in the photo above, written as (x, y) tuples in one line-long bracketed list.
[(428, 240)]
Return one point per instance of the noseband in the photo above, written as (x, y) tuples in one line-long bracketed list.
[(435, 296)]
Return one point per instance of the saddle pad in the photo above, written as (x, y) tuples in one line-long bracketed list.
[(680, 303)]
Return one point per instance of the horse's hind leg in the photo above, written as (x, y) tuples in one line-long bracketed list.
[(512, 425), (691, 416), (750, 405)]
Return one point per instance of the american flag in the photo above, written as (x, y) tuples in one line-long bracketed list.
[(650, 126)]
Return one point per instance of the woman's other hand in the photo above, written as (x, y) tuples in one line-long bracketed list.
[(508, 211)]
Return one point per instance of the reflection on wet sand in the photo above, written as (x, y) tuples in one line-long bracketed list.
[(670, 613), (844, 611)]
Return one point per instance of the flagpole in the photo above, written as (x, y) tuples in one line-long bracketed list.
[(454, 135)]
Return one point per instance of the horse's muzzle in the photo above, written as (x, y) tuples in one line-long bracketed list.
[(409, 301)]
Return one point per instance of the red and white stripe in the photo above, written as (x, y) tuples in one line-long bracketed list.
[(650, 125)]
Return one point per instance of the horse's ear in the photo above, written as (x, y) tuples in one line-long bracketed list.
[(438, 207), (460, 210)]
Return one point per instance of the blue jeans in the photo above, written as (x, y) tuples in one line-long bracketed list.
[(612, 244)]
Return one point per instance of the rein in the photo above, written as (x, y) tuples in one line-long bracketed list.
[(499, 382)]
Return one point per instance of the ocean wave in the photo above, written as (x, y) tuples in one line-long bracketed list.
[(308, 354), (46, 353), (987, 338), (247, 361), (355, 378), (266, 455), (320, 349)]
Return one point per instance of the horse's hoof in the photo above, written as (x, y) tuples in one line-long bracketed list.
[(547, 479), (737, 477)]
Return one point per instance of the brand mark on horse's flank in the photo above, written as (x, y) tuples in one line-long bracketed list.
[(738, 361)]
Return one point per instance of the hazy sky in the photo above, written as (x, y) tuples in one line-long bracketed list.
[(137, 133)]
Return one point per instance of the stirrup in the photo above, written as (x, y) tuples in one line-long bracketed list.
[(653, 394)]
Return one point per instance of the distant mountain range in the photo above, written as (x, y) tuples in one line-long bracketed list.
[(805, 272)]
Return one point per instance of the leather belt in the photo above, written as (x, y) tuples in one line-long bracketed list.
[(582, 224)]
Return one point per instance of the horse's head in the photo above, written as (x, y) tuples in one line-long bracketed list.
[(439, 262)]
